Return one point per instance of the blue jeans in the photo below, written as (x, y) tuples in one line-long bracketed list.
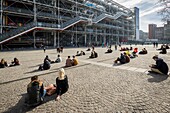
[(45, 91)]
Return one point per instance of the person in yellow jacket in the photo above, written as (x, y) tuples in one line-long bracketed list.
[(74, 61)]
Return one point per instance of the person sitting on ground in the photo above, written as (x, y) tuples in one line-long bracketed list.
[(131, 48), (46, 64), (161, 67), (163, 50), (109, 50), (135, 50), (35, 92), (88, 49), (167, 47), (15, 62), (144, 51), (92, 55), (74, 61), (47, 58), (95, 54), (3, 63), (127, 53), (161, 47), (61, 84), (83, 53), (80, 53), (68, 62), (134, 53), (127, 57), (122, 49), (59, 59), (121, 59)]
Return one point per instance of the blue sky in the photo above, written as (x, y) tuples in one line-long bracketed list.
[(148, 11)]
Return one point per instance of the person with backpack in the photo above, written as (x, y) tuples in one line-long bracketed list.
[(35, 92)]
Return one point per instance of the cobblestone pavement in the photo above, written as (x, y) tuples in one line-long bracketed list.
[(95, 84)]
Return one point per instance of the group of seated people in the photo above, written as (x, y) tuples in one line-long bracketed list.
[(88, 49), (60, 49), (4, 63), (160, 67), (109, 50), (47, 63), (93, 54), (125, 48), (124, 58), (144, 51), (80, 53), (163, 49), (36, 90), (71, 62)]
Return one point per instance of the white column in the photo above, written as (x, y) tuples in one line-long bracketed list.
[(55, 38), (58, 39), (34, 32), (85, 37), (104, 37), (54, 32), (35, 11), (1, 17), (96, 36)]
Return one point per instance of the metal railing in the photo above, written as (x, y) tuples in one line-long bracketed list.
[(18, 10), (104, 15), (14, 32), (31, 25)]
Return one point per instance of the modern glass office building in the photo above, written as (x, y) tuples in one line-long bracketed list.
[(32, 23)]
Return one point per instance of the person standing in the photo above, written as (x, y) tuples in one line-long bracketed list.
[(44, 49), (115, 46)]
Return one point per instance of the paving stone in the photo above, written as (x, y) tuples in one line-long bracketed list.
[(96, 86)]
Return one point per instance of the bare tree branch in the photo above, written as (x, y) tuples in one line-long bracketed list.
[(165, 12)]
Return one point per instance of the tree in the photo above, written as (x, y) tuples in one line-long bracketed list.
[(165, 11)]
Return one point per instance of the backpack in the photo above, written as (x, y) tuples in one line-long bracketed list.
[(33, 94)]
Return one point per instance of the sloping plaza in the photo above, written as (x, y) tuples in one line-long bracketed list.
[(95, 85)]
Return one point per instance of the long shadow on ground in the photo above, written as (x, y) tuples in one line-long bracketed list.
[(20, 107), (157, 77), (55, 70)]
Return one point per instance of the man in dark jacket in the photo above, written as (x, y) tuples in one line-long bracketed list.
[(161, 67)]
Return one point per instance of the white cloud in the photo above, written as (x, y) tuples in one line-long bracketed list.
[(144, 13), (148, 11)]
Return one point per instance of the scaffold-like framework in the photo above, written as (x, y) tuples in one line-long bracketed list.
[(64, 23)]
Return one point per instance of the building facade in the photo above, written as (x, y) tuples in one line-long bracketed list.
[(159, 33), (34, 23), (167, 31), (143, 35), (152, 29)]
